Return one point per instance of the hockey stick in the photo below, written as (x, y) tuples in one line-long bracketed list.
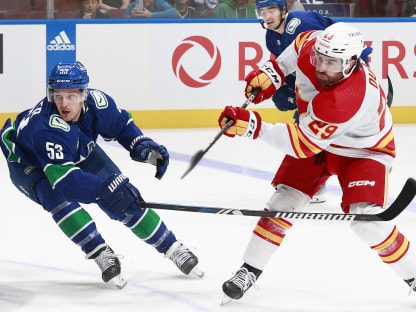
[(389, 92), (198, 155), (400, 203)]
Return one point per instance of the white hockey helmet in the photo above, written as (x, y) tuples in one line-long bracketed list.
[(342, 41)]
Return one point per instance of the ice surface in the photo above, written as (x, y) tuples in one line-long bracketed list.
[(321, 266)]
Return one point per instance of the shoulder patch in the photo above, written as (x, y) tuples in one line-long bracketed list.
[(56, 121), (99, 98), (292, 25)]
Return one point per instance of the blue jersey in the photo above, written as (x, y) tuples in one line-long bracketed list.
[(42, 139), (296, 23)]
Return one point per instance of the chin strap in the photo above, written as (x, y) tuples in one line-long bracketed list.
[(277, 27), (281, 21)]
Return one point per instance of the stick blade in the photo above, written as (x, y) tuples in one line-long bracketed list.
[(194, 161), (389, 92), (402, 201)]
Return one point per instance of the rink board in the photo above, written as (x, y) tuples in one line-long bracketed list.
[(173, 74)]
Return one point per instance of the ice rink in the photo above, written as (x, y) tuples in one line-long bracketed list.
[(321, 266)]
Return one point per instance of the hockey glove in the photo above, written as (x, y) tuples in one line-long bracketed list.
[(118, 198), (148, 151), (246, 123), (285, 98), (268, 78)]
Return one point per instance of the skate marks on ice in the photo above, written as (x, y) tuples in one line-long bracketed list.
[(12, 297), (48, 288)]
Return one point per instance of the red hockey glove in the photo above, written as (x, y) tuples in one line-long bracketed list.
[(268, 78), (246, 123)]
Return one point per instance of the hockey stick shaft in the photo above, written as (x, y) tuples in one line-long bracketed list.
[(198, 155), (389, 92), (230, 122), (400, 203)]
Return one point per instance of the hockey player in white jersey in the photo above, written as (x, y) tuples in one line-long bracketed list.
[(343, 112)]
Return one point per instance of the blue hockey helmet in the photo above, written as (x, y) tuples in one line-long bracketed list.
[(67, 76), (260, 4), (268, 3)]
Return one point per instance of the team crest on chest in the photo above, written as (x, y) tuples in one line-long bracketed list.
[(292, 25), (55, 121)]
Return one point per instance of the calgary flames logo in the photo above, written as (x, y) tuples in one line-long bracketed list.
[(213, 67)]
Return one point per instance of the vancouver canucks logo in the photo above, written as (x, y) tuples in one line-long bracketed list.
[(57, 122), (292, 25), (99, 99)]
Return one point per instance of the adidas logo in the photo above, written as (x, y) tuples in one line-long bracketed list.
[(61, 43)]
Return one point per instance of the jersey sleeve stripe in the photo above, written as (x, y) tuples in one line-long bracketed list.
[(10, 146), (385, 145), (56, 173), (295, 141), (382, 109), (302, 146)]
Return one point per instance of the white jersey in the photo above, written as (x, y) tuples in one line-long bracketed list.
[(348, 118)]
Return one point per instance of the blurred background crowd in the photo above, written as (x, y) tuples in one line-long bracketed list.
[(86, 9)]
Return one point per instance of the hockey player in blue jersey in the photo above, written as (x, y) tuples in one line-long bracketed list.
[(53, 158), (281, 29)]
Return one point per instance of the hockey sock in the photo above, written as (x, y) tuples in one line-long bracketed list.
[(272, 230), (393, 248), (151, 229), (398, 254), (77, 225), (267, 237)]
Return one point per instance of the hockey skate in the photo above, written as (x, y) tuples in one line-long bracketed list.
[(236, 286), (412, 283), (184, 259), (320, 196), (110, 267)]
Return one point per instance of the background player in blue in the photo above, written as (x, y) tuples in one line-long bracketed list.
[(53, 159), (282, 29)]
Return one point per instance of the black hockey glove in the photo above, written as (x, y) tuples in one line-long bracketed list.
[(148, 151), (118, 198)]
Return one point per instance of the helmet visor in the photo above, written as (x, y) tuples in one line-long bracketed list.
[(271, 11), (66, 95), (325, 63)]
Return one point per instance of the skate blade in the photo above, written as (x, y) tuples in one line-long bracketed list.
[(318, 200), (119, 281), (225, 300), (197, 272)]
